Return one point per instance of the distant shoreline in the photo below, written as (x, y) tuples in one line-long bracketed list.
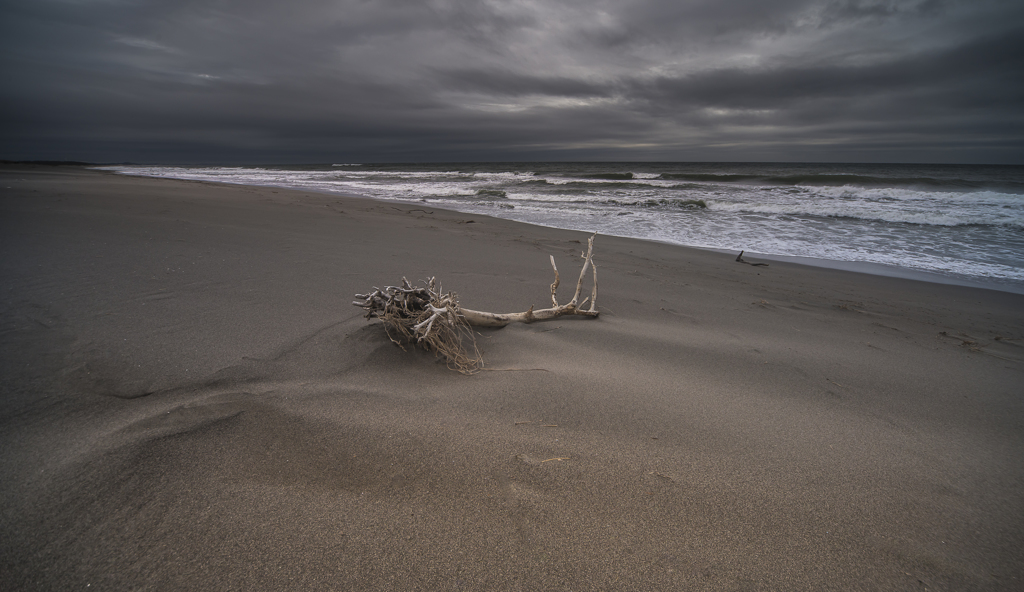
[(866, 266)]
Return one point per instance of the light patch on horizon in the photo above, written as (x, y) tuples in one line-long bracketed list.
[(528, 102), (725, 112), (148, 44)]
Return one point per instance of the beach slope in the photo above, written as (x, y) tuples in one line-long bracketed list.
[(188, 400)]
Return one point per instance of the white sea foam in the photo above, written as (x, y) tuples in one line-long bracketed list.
[(897, 213), (976, 234)]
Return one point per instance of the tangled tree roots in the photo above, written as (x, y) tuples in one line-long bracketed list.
[(425, 316), (434, 319)]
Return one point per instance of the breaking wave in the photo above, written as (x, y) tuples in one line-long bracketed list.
[(956, 220)]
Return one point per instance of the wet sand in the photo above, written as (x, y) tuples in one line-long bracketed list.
[(189, 401)]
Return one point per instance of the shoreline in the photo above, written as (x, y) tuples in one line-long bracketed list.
[(188, 398), (881, 269), (854, 266)]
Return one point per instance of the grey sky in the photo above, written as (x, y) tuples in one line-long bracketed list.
[(400, 80)]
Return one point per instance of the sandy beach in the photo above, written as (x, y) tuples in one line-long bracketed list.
[(190, 401)]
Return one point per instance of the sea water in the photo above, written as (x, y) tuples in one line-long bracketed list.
[(959, 222)]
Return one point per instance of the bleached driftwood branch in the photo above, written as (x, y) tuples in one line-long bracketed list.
[(573, 307), (436, 320)]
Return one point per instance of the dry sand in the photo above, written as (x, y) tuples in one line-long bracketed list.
[(189, 401)]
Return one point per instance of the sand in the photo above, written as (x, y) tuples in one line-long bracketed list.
[(189, 401)]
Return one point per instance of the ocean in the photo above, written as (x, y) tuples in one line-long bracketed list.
[(955, 223)]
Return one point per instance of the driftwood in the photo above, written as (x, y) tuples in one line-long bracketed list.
[(427, 316), (740, 259)]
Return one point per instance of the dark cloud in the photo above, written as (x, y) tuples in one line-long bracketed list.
[(990, 71), (322, 80)]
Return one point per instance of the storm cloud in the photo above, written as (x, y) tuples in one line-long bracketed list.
[(412, 80)]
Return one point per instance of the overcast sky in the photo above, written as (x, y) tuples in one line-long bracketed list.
[(226, 81)]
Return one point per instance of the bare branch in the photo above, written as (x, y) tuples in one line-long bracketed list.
[(554, 286), (438, 322)]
